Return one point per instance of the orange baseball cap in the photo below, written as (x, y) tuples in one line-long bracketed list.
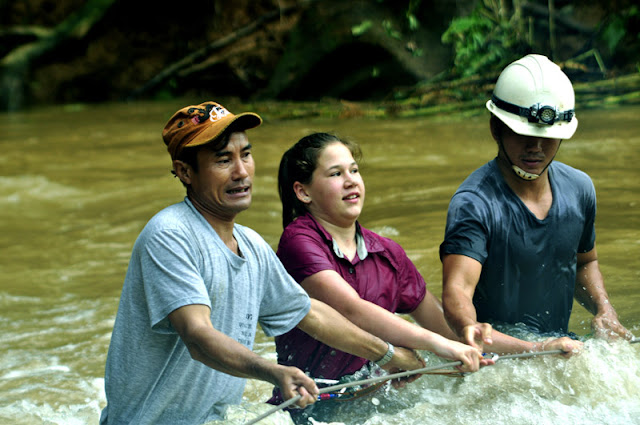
[(197, 125)]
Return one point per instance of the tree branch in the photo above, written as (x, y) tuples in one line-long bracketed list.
[(14, 67), (202, 53)]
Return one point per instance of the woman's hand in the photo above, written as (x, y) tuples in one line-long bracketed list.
[(470, 357)]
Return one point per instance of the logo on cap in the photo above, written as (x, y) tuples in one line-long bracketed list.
[(217, 112)]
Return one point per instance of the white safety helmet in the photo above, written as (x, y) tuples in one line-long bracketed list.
[(533, 97)]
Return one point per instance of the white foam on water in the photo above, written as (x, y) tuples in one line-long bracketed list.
[(14, 190), (599, 386), (28, 413)]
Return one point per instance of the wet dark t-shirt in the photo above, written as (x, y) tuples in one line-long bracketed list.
[(528, 265)]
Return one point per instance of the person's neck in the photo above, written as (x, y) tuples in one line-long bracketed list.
[(223, 226), (225, 232), (344, 235), (535, 194)]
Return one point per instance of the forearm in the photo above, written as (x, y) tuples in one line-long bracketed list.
[(321, 323), (220, 352), (459, 310), (460, 275), (393, 328), (217, 350), (589, 288), (430, 315), (590, 292), (506, 344)]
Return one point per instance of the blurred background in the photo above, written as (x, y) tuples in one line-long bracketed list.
[(402, 54)]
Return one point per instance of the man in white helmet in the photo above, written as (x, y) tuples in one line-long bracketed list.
[(520, 239)]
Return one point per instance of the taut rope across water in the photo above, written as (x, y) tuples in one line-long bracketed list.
[(424, 370)]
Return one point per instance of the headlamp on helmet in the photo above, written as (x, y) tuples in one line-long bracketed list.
[(536, 113), (535, 98)]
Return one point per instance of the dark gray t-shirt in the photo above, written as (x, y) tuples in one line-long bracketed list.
[(179, 260), (528, 265)]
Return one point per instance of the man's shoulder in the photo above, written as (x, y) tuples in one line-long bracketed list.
[(484, 182), (569, 174), (252, 239), (176, 216), (248, 233), (568, 170)]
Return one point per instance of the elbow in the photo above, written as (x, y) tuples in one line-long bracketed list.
[(191, 337), (193, 347)]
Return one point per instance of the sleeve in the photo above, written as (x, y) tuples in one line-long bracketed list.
[(588, 238), (284, 303), (304, 254), (412, 285), (467, 229), (171, 278)]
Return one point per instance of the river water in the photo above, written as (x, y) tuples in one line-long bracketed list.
[(77, 184)]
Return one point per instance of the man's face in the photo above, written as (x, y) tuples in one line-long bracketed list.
[(222, 186), (532, 154)]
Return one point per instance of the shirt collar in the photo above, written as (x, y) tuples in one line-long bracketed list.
[(364, 237), (361, 247)]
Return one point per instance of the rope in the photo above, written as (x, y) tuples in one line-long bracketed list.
[(281, 406), (391, 376)]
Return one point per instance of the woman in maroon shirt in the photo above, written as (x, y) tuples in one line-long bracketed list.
[(364, 276)]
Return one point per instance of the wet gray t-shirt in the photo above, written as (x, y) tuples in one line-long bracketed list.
[(528, 265), (179, 260)]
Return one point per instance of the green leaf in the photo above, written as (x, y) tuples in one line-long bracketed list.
[(362, 28), (391, 32), (414, 24)]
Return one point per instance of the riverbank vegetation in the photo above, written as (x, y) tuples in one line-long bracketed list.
[(365, 57)]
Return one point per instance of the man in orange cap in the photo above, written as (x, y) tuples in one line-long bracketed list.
[(198, 284)]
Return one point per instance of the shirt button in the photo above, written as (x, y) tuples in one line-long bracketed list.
[(351, 270)]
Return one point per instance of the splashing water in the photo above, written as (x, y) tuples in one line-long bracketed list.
[(75, 191)]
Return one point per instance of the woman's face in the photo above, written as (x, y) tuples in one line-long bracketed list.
[(336, 191)]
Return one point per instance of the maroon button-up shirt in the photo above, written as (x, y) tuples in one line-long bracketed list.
[(380, 273)]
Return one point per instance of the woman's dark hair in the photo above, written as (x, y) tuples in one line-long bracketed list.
[(298, 164)]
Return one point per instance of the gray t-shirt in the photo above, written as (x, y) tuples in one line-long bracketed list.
[(528, 265), (177, 260)]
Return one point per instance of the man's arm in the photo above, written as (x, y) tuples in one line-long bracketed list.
[(218, 351), (460, 275), (591, 294)]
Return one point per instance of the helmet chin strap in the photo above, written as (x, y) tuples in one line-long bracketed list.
[(519, 171)]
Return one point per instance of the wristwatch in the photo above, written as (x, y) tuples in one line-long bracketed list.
[(387, 357)]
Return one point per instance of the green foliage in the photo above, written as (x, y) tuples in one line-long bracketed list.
[(414, 5), (391, 32), (484, 40), (618, 26), (414, 24), (364, 26), (410, 14)]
